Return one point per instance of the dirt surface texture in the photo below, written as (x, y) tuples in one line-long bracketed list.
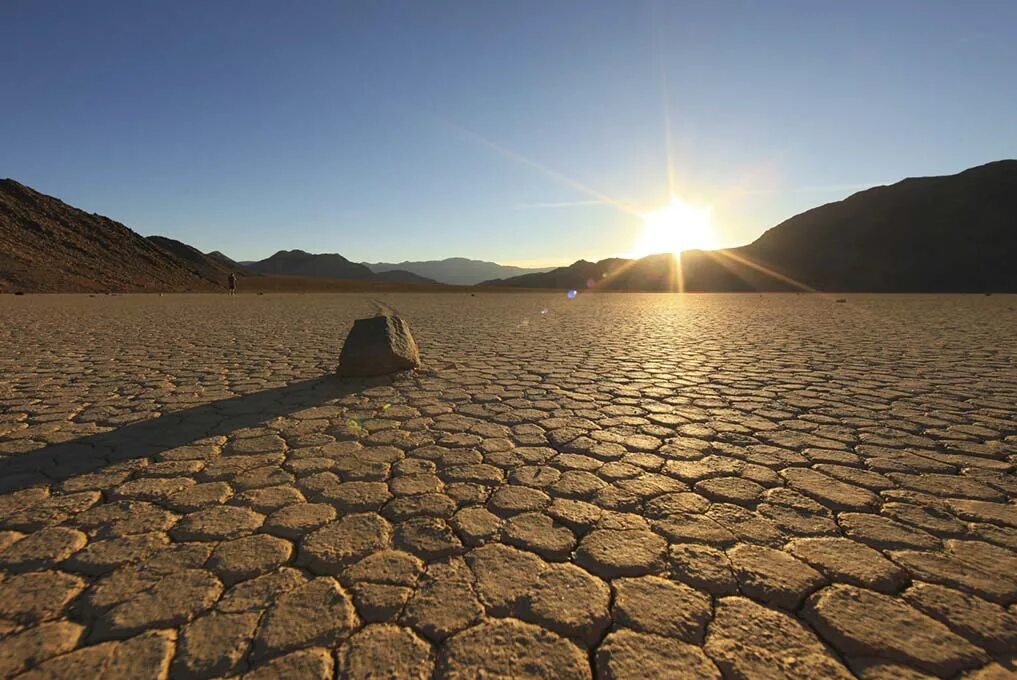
[(610, 486)]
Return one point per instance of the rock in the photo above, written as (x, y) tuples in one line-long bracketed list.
[(143, 657), (730, 490), (703, 567), (386, 566), (946, 568), (103, 556), (379, 602), (214, 645), (628, 655), (256, 594), (511, 499), (337, 544), (609, 553), (868, 668), (986, 624), (35, 645), (383, 650), (746, 525), (444, 602), (861, 622), (475, 525), (752, 642), (268, 499), (318, 612), (427, 537), (307, 664), (174, 599), (538, 532), (121, 518), (569, 601), (200, 496), (504, 575), (508, 648), (883, 533), (217, 523), (293, 521), (831, 492), (42, 549), (772, 576), (244, 558), (657, 605), (424, 504), (378, 346), (847, 561)]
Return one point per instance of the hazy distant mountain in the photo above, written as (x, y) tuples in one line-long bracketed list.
[(49, 246), (402, 276), (955, 233), (457, 270)]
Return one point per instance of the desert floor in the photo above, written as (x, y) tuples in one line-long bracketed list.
[(618, 485)]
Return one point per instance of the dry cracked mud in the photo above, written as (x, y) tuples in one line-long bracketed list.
[(615, 486)]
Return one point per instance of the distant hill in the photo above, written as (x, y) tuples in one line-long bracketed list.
[(955, 233), (329, 265), (301, 263), (49, 246), (231, 265), (458, 271), (401, 276), (214, 266)]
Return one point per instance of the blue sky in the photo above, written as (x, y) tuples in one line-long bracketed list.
[(416, 130)]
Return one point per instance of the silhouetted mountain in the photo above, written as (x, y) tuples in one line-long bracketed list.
[(580, 274), (49, 246), (301, 263), (228, 263), (213, 266), (955, 233), (330, 265), (458, 271)]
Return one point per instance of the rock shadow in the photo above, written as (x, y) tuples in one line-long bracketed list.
[(58, 462)]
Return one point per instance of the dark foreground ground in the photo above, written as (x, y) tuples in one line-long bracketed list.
[(620, 486)]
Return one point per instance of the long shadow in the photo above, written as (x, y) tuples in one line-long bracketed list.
[(58, 462)]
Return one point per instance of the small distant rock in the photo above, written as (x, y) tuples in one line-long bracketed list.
[(378, 346)]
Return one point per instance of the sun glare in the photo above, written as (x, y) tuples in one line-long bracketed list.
[(680, 226)]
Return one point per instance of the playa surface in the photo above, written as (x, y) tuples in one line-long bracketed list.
[(618, 485)]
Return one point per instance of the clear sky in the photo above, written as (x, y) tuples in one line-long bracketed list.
[(424, 129)]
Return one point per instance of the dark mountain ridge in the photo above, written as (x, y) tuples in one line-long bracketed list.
[(49, 246), (328, 265), (954, 233)]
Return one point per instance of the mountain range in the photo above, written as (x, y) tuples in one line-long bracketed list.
[(457, 271), (955, 233), (328, 265), (49, 246)]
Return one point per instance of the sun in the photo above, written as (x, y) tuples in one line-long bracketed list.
[(677, 227)]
